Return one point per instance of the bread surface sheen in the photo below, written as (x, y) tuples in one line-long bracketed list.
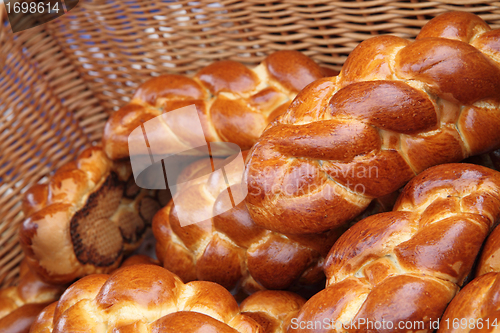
[(148, 298), (85, 218), (396, 108), (231, 250), (234, 103), (404, 267)]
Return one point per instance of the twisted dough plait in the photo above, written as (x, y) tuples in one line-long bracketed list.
[(477, 305), (88, 215), (235, 103), (476, 308), (396, 108), (405, 266), (147, 298), (20, 305), (231, 250), (489, 261)]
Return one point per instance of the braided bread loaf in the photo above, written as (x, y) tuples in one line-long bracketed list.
[(273, 310), (147, 298), (489, 261), (405, 266), (20, 305), (84, 219), (230, 249), (476, 308), (396, 108), (477, 305), (234, 103)]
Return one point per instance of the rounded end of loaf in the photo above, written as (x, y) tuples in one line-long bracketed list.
[(90, 218)]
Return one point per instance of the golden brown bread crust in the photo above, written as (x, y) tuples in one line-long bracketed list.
[(273, 310), (234, 103), (144, 298), (489, 261), (21, 319), (20, 305), (408, 264), (495, 159), (396, 108), (231, 250), (43, 323), (476, 308), (84, 219)]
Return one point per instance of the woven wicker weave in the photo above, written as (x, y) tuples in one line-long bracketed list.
[(59, 81)]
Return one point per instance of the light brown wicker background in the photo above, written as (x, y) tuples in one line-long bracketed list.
[(60, 81)]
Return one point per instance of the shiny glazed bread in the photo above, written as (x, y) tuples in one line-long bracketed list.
[(476, 308), (489, 261), (396, 108), (405, 266), (20, 305), (231, 250), (235, 103), (30, 289), (88, 215), (490, 160), (147, 298), (272, 309), (477, 305)]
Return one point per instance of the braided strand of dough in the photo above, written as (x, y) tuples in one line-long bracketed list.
[(234, 103), (148, 298), (397, 108), (85, 219), (408, 264), (231, 250)]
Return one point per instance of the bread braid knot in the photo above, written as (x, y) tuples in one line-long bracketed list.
[(234, 103), (397, 108), (405, 266), (149, 299)]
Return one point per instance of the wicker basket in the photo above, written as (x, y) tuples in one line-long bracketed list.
[(60, 81)]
